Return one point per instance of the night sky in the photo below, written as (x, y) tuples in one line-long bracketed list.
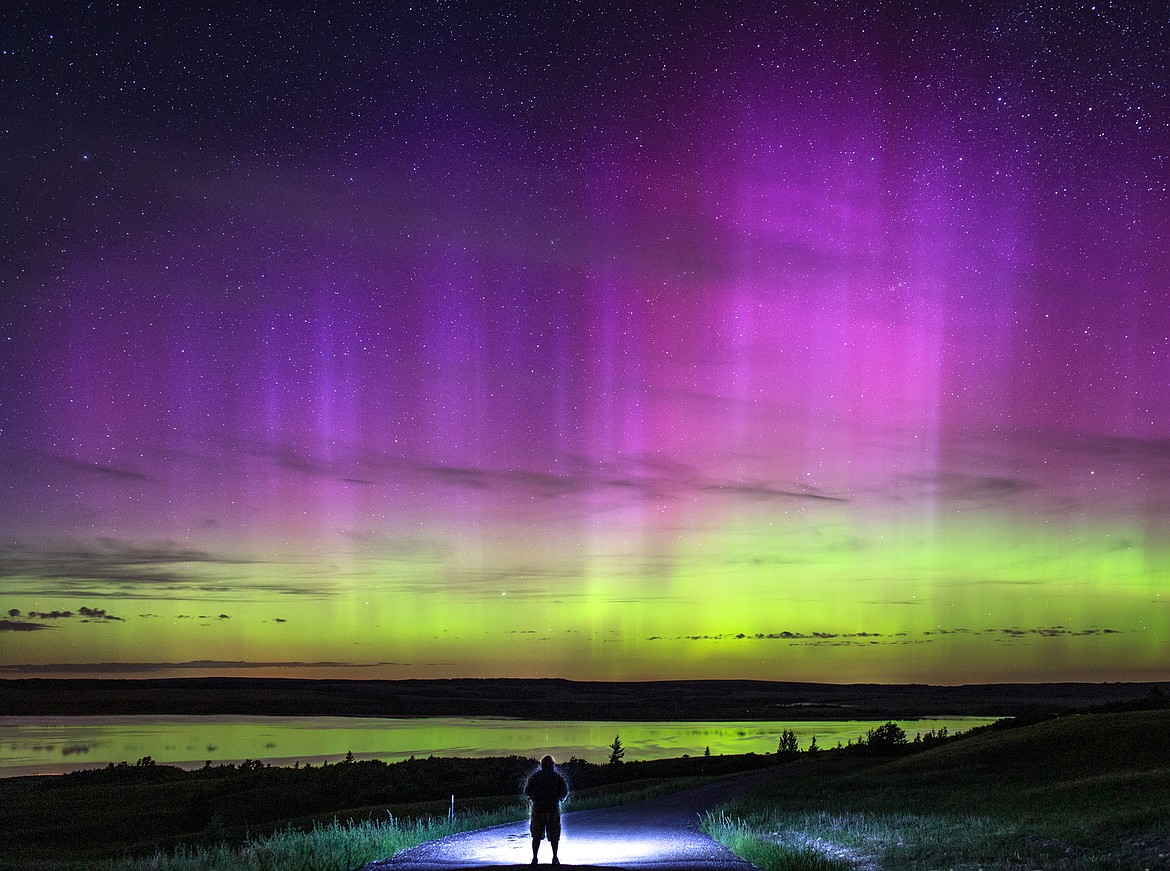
[(814, 342)]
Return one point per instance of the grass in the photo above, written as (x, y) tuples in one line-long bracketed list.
[(1079, 793), (788, 852), (347, 846), (332, 847)]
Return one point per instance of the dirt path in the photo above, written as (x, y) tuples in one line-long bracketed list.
[(660, 834)]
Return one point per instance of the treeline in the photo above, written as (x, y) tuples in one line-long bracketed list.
[(361, 782), (417, 779), (888, 739)]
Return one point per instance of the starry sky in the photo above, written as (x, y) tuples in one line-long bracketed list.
[(817, 341)]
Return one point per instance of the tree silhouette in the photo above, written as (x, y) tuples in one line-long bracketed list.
[(787, 747), (886, 738), (616, 750)]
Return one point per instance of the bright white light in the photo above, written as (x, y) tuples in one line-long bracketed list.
[(598, 850), (515, 848)]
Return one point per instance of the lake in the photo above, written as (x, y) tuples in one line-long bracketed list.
[(54, 745)]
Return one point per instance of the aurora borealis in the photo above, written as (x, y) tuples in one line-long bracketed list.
[(560, 339)]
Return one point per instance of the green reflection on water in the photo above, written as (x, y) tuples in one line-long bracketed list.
[(54, 745)]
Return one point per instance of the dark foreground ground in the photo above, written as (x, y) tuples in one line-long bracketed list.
[(134, 809), (550, 699), (1075, 791)]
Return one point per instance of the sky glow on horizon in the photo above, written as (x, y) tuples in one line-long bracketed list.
[(518, 340)]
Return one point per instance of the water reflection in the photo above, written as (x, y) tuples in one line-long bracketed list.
[(58, 744)]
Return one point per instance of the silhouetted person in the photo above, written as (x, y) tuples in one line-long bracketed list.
[(546, 789)]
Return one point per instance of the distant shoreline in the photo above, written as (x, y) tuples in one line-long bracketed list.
[(551, 699)]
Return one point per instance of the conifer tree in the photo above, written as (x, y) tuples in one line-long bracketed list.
[(616, 750), (787, 746)]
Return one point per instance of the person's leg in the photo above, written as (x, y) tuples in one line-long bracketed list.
[(536, 848), (555, 842)]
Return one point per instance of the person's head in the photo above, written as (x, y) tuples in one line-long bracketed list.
[(547, 763)]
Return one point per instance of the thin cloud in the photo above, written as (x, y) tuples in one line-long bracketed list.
[(114, 569), (892, 638), (99, 614), (1130, 449), (1057, 632), (849, 642), (21, 626), (962, 487), (344, 463), (87, 615), (211, 619), (516, 583), (90, 467), (303, 462), (775, 636), (1018, 632), (197, 664), (762, 491), (650, 479), (404, 548), (103, 559)]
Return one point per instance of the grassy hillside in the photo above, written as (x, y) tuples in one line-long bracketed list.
[(1078, 792)]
